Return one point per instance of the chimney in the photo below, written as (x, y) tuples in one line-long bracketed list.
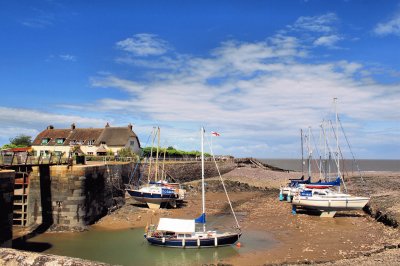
[(50, 127), (107, 125), (130, 126), (73, 126)]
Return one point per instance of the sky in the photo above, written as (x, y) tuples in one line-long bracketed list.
[(254, 71)]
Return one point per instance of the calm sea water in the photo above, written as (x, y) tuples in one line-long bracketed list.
[(349, 165), (128, 247)]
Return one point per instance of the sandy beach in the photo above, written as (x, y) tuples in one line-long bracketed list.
[(350, 237)]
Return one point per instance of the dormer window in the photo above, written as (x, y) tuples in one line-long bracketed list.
[(91, 142), (45, 141), (60, 141)]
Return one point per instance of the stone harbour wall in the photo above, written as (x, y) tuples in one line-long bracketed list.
[(6, 207), (190, 171), (70, 198)]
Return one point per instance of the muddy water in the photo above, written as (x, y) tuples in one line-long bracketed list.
[(128, 247)]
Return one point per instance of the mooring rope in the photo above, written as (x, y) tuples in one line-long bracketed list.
[(223, 185)]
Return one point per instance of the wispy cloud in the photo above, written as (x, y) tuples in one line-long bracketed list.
[(390, 27), (328, 41), (143, 44), (39, 19), (323, 23)]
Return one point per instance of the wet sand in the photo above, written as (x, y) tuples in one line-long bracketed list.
[(300, 238)]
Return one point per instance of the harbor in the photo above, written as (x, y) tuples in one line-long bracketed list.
[(271, 233)]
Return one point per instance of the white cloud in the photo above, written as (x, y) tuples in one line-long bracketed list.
[(259, 94), (144, 44), (328, 41), (389, 27), (321, 24), (34, 121)]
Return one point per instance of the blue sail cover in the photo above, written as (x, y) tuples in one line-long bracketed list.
[(332, 183), (201, 219)]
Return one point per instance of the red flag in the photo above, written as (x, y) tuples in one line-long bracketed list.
[(215, 133)]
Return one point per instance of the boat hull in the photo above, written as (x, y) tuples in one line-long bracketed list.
[(155, 198), (356, 203), (218, 241)]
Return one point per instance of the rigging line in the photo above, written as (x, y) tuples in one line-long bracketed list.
[(351, 151), (136, 166), (223, 185), (339, 155), (316, 148)]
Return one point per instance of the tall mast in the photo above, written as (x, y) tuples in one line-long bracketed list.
[(309, 151), (337, 137), (302, 157), (202, 176), (158, 147), (153, 132)]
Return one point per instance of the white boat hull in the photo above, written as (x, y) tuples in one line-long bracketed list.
[(331, 204)]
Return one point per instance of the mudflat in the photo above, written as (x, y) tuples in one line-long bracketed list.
[(350, 237)]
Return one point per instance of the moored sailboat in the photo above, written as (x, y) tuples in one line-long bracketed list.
[(158, 192), (182, 233), (323, 197)]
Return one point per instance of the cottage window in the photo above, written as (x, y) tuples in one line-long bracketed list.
[(132, 143), (91, 142), (60, 140), (45, 141), (90, 153)]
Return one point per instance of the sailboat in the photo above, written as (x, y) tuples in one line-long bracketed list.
[(158, 192), (326, 200), (182, 233)]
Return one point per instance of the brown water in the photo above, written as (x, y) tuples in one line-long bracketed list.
[(349, 165)]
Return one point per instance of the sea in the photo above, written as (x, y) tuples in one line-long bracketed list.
[(364, 165)]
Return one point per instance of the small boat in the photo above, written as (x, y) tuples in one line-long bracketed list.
[(322, 197), (160, 192), (154, 194), (182, 233), (327, 201)]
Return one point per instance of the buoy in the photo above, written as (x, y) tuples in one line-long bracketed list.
[(238, 244)]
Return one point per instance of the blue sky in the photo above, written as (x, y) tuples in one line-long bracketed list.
[(255, 71)]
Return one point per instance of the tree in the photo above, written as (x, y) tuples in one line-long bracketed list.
[(21, 141)]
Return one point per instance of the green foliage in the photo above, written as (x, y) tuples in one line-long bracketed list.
[(9, 146), (126, 152), (21, 141), (172, 152)]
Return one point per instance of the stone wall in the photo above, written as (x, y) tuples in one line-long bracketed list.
[(72, 198), (6, 207), (189, 171)]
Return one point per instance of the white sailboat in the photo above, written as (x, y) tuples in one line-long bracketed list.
[(181, 233), (327, 200), (158, 192)]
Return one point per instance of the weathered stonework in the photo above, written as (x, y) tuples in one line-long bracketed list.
[(6, 207), (72, 198), (190, 171)]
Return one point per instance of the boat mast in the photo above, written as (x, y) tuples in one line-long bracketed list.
[(202, 177), (302, 157), (337, 136), (309, 151), (153, 132), (158, 147)]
